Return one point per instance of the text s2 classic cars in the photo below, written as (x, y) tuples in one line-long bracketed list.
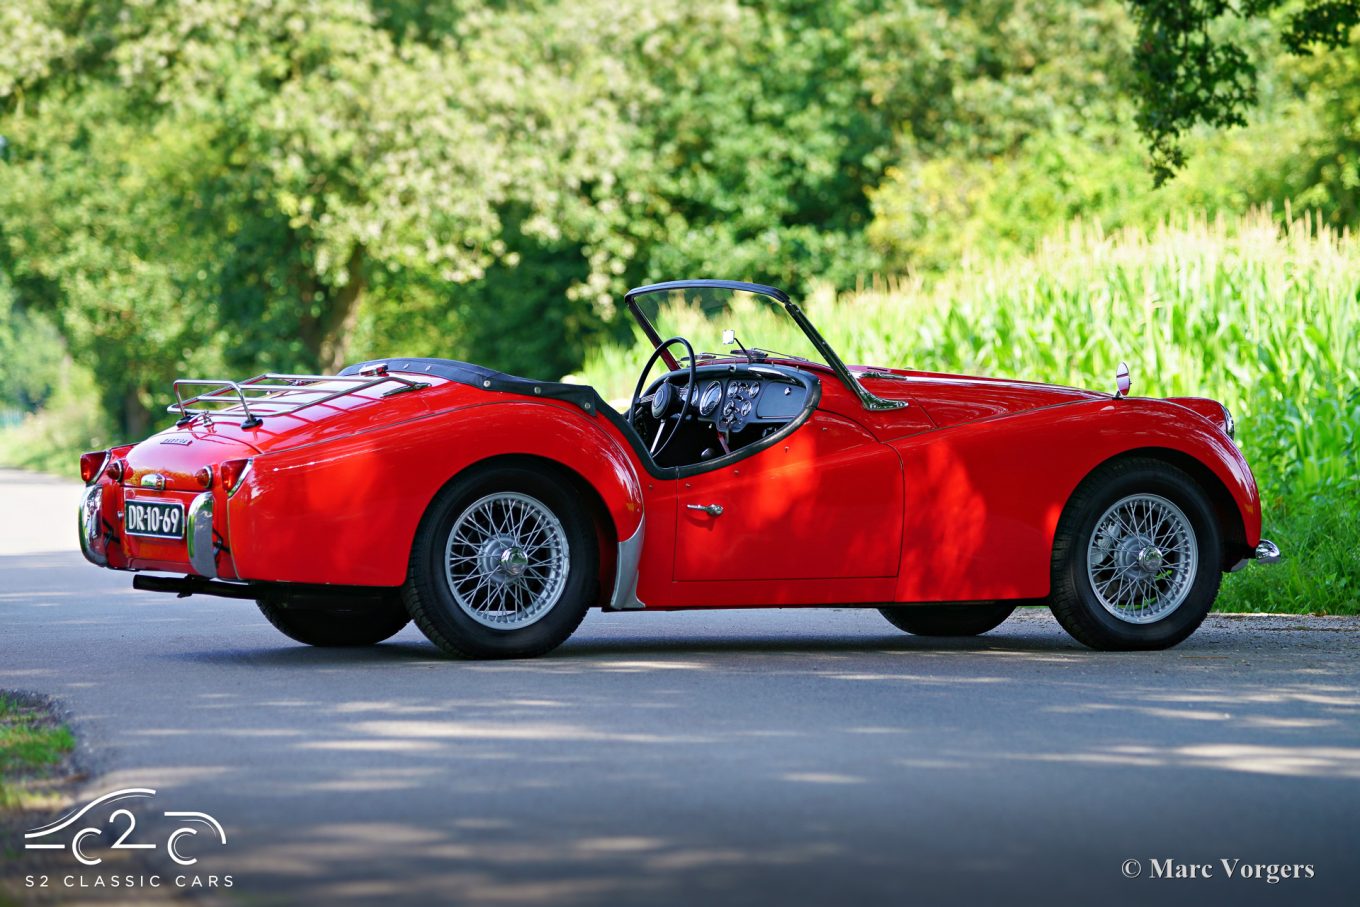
[(495, 510)]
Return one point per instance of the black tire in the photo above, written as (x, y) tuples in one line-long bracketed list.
[(364, 625), (428, 591), (948, 620), (1074, 599)]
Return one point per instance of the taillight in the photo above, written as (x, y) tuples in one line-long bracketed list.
[(91, 463), (232, 471), (204, 477), (115, 469)]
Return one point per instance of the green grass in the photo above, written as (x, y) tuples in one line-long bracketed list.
[(1265, 319), (31, 745)]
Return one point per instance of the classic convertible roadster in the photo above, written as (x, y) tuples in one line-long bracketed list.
[(495, 510)]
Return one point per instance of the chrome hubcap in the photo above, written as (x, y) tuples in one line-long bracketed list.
[(506, 560), (513, 562), (1142, 558), (1150, 559)]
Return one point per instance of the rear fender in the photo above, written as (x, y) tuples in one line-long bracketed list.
[(346, 511)]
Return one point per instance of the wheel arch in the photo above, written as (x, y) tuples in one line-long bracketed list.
[(1229, 515), (606, 530)]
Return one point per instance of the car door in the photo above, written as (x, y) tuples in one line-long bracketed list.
[(823, 503)]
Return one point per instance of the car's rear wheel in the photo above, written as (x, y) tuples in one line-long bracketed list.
[(948, 620), (504, 564), (361, 625), (1136, 558)]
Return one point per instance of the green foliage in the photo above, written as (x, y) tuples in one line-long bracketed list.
[(52, 439), (1320, 573), (282, 184), (31, 357), (218, 184), (1191, 68)]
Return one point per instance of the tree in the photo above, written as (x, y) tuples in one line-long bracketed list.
[(1187, 71), (224, 181)]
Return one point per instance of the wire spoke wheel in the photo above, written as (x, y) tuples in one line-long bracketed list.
[(506, 560), (1142, 558)]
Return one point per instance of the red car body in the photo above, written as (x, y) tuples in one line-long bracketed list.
[(954, 497), (494, 510)]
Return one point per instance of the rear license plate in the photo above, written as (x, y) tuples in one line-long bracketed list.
[(157, 520)]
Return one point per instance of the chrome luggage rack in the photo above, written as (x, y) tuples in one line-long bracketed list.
[(276, 395)]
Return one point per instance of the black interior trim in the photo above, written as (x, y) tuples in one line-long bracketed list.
[(589, 400)]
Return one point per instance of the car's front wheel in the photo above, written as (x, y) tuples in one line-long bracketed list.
[(1136, 558), (364, 625), (948, 620), (504, 564)]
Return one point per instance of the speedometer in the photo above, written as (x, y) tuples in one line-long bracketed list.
[(712, 396)]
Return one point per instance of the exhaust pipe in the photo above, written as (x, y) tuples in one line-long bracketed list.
[(298, 596)]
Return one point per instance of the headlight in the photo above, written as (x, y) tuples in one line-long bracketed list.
[(1229, 423)]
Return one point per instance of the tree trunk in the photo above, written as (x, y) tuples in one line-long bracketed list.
[(136, 417), (327, 336)]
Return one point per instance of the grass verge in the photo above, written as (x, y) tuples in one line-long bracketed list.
[(34, 746), (36, 781)]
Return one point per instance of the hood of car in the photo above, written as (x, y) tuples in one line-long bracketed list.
[(955, 399)]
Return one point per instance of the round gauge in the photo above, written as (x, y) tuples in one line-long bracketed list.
[(712, 396)]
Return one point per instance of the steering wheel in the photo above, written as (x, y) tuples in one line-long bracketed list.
[(660, 399)]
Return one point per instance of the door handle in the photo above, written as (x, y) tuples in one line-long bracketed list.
[(710, 509)]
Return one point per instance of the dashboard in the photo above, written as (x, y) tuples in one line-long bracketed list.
[(734, 397), (732, 407)]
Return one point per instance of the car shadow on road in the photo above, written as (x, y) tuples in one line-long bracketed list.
[(575, 652)]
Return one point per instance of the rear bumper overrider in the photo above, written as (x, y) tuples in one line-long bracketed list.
[(1267, 552), (198, 536), (91, 527)]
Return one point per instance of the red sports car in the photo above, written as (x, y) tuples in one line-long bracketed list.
[(495, 510)]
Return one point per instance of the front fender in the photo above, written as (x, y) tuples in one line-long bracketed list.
[(984, 499), (345, 511)]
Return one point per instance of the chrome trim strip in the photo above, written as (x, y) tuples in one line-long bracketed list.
[(88, 521), (241, 481), (103, 465), (198, 534), (626, 572)]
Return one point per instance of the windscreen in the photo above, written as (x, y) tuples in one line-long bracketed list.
[(702, 314)]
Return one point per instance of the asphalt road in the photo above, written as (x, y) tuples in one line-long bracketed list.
[(774, 757)]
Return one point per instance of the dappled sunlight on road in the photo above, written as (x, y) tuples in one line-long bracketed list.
[(458, 730), (822, 778), (479, 861), (673, 757), (1299, 761)]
